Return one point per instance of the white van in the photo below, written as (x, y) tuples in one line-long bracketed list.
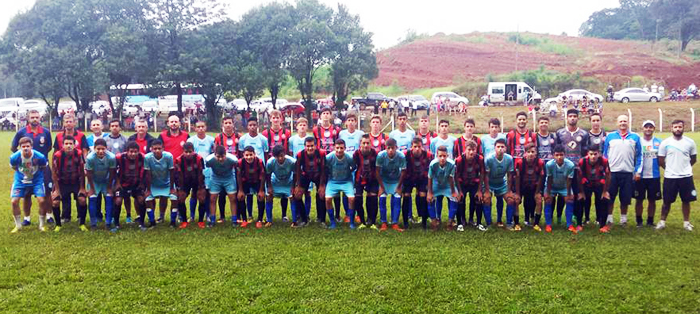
[(498, 92)]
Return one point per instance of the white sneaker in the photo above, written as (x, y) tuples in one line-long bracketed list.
[(688, 226), (460, 228), (481, 228), (661, 225)]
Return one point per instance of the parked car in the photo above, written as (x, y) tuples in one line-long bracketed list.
[(67, 106), (455, 99), (38, 105), (293, 107), (371, 100), (499, 92), (10, 104), (239, 104), (635, 94), (578, 94), (420, 100), (100, 106)]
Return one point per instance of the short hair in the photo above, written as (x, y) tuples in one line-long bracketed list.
[(69, 138), (68, 116), (302, 119), (117, 121), (471, 144), (542, 118), (100, 142), (175, 114), (249, 149), (202, 122), (594, 147), (220, 150), (366, 136), (96, 120), (391, 142), (188, 146), (326, 109), (495, 122), (521, 113), (402, 114), (470, 121), (376, 117), (500, 141), (417, 140), (529, 146), (226, 118), (590, 117), (677, 121), (309, 139), (278, 150), (351, 116), (424, 117), (156, 142), (340, 141), (275, 112), (132, 145), (559, 149), (444, 121), (33, 111), (252, 119), (26, 140), (442, 148), (572, 111)]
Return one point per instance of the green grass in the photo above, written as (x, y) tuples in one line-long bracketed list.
[(316, 270)]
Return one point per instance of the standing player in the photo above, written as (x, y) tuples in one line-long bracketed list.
[(560, 172), (470, 174), (296, 145), (142, 137), (310, 168), (499, 170), (80, 144), (96, 128), (416, 177), (251, 181), (424, 132), (546, 140), (377, 138), (488, 141), (339, 169), (280, 179), (276, 134), (443, 139), (441, 183), (575, 142), (595, 177), (222, 180), (529, 172), (261, 149), (130, 183), (596, 136), (677, 155), (116, 142), (68, 180), (519, 137), (366, 180), (326, 134), (390, 166), (403, 136), (229, 139), (28, 165), (649, 186), (352, 137), (159, 169), (190, 168), (174, 138), (203, 146), (100, 168), (460, 148), (623, 150)]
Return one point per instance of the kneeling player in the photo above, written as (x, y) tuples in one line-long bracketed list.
[(310, 168), (222, 179), (560, 172), (191, 172), (251, 181), (390, 166), (529, 172), (29, 167), (441, 173), (100, 166), (416, 177), (595, 177), (366, 181), (471, 175), (159, 169), (68, 174), (280, 179), (339, 167), (130, 183)]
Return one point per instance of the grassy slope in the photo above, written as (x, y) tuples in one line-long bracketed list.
[(314, 270)]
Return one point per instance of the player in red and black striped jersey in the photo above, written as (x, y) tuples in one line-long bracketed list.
[(68, 174), (366, 181), (130, 182), (460, 145), (326, 133), (376, 137), (229, 140), (529, 172), (276, 134), (69, 129), (310, 167), (416, 177), (190, 167), (424, 132), (594, 174), (517, 138), (470, 175), (251, 181)]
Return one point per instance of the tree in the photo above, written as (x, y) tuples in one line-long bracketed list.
[(679, 19)]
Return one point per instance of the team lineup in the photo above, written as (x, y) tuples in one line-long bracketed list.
[(564, 172)]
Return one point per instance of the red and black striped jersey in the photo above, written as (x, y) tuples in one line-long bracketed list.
[(366, 167), (230, 142), (593, 175), (80, 140), (516, 141), (530, 175), (130, 172), (311, 167), (325, 137), (68, 166), (190, 168), (251, 172), (426, 138), (279, 137), (417, 165), (461, 145), (378, 142), (468, 172)]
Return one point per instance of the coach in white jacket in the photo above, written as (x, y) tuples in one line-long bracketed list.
[(623, 150)]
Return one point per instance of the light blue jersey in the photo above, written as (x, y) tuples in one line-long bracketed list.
[(222, 171), (650, 162), (159, 168), (441, 174), (296, 144), (28, 173), (558, 174), (100, 167), (449, 142), (258, 142), (281, 174), (339, 170), (403, 139), (390, 168), (203, 147), (498, 170), (488, 143), (352, 140), (90, 139)]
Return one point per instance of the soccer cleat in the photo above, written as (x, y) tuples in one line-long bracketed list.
[(84, 228), (499, 224), (332, 226), (517, 228), (572, 229), (383, 227), (548, 229), (587, 221), (688, 226), (160, 220), (373, 227), (418, 220), (537, 228), (346, 219), (352, 226), (50, 220), (259, 224), (285, 219), (579, 228), (361, 226), (183, 225), (26, 223), (128, 220), (651, 224), (65, 220), (42, 229), (357, 220), (559, 220), (15, 229), (267, 224), (460, 228), (435, 225), (57, 229), (114, 230), (250, 220), (302, 224), (294, 225), (396, 228), (449, 227), (526, 223), (220, 221), (660, 225), (172, 224), (482, 228), (201, 225), (143, 228), (605, 229), (244, 224)]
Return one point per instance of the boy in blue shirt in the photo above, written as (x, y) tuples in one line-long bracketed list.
[(443, 139), (402, 135), (488, 141), (560, 172), (203, 146), (280, 179), (101, 171), (339, 169), (441, 183), (29, 167), (649, 186), (255, 140), (222, 180), (391, 164), (352, 137), (500, 171), (296, 145), (159, 168)]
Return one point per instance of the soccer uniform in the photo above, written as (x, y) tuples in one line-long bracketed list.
[(624, 154), (130, 173), (279, 137), (497, 171), (403, 139), (325, 137), (545, 146), (160, 175), (390, 170), (575, 147), (441, 176), (172, 143), (417, 171), (488, 143), (296, 144), (29, 176), (678, 174), (229, 142), (596, 139), (311, 169), (366, 180), (252, 174), (448, 142), (557, 178), (468, 178), (100, 168), (592, 176), (144, 143), (426, 139), (190, 169), (259, 144), (117, 144), (460, 146), (529, 176), (42, 143), (352, 140), (68, 167), (202, 146), (378, 142), (223, 174), (80, 140), (516, 141), (281, 175), (649, 186), (90, 139), (339, 172)]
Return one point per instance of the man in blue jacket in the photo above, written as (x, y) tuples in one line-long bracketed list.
[(623, 149)]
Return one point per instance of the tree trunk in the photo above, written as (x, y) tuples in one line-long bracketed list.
[(178, 88), (213, 113), (274, 90)]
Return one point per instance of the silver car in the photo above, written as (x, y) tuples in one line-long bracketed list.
[(635, 94), (577, 94)]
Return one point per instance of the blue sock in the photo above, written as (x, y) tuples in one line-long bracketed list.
[(173, 215), (438, 207), (92, 206), (193, 207), (108, 209), (234, 220), (499, 208), (452, 209), (569, 211), (294, 210), (268, 210), (307, 204), (431, 209), (382, 208), (331, 214), (345, 205), (212, 219), (351, 213), (548, 214), (151, 215), (395, 209), (487, 214), (510, 211)]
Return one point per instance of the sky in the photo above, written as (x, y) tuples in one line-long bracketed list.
[(389, 20)]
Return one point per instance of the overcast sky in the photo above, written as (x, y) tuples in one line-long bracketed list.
[(390, 19)]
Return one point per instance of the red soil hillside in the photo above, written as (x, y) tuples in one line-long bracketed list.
[(444, 60)]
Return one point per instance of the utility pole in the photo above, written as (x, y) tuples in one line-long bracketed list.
[(517, 42), (657, 34)]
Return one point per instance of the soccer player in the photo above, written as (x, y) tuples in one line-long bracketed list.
[(261, 149), (173, 137), (443, 139), (390, 166), (325, 133), (366, 181), (339, 169), (142, 137), (276, 134), (80, 144), (159, 169), (310, 168), (296, 145), (499, 171), (280, 179), (190, 168), (519, 137), (560, 172), (460, 148), (251, 181), (402, 134), (623, 149), (594, 173), (203, 146), (596, 135), (529, 172), (96, 128), (100, 168), (677, 155), (116, 142), (416, 177), (441, 183), (488, 141), (649, 186), (29, 179), (377, 138), (575, 142), (229, 139), (68, 179), (351, 136), (223, 179), (130, 183), (424, 132), (546, 140), (470, 174)]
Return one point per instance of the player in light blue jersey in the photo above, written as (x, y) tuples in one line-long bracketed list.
[(500, 171), (96, 128), (280, 181), (255, 140), (560, 172), (649, 185), (203, 143), (159, 168), (28, 165), (441, 184), (391, 164), (339, 169), (100, 168), (443, 139), (223, 180), (402, 134), (489, 140), (352, 138), (296, 145)]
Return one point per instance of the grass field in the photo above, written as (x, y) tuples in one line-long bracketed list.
[(317, 270)]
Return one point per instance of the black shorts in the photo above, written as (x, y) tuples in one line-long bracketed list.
[(649, 189), (683, 186), (189, 187), (250, 188), (126, 192), (370, 187), (305, 183), (68, 190), (469, 191), (48, 180), (624, 183), (421, 185)]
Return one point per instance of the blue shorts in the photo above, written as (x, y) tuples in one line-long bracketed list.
[(160, 192), (100, 188), (390, 189), (218, 186), (499, 190), (20, 190), (560, 192), (207, 177), (333, 189), (446, 192), (281, 189)]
